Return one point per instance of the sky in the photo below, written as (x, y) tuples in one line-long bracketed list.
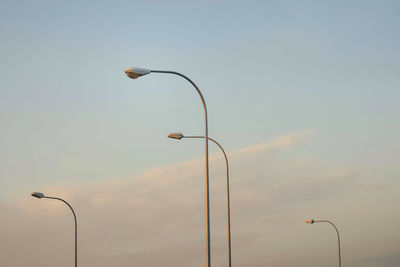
[(303, 96)]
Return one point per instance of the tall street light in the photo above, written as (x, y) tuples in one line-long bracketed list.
[(179, 136), (138, 72), (41, 195), (311, 221)]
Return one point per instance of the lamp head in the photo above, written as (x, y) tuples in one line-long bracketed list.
[(178, 136), (310, 221), (135, 73), (37, 194)]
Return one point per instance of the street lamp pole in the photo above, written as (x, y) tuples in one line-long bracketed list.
[(180, 136), (138, 72), (41, 195), (311, 221)]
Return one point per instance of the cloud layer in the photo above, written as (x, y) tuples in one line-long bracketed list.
[(157, 218)]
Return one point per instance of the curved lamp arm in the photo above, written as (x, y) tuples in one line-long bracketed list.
[(311, 221), (227, 193), (76, 226), (41, 195), (138, 72)]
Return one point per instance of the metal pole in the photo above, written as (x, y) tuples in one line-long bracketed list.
[(227, 195), (337, 232), (76, 227), (206, 158)]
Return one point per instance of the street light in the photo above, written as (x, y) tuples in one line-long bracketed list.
[(138, 72), (311, 221), (179, 136), (41, 195)]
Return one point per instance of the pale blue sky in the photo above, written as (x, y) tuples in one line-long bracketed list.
[(266, 68)]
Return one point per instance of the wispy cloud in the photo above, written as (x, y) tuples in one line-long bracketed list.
[(186, 170), (284, 141), (157, 218)]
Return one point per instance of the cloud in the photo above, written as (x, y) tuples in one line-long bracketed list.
[(284, 141), (186, 170), (157, 218)]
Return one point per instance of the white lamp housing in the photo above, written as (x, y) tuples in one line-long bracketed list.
[(135, 73)]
